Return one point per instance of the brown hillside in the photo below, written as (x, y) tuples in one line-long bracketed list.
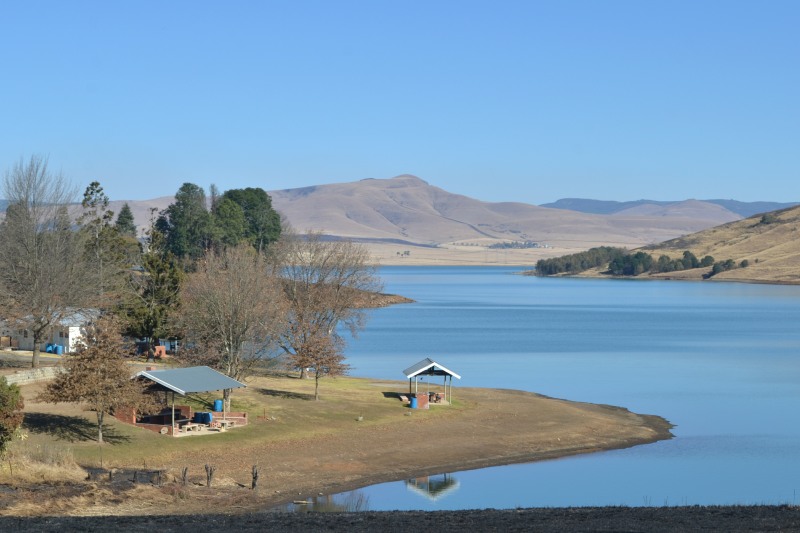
[(408, 209), (405, 220), (770, 243)]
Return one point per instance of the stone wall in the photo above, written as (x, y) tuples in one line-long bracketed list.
[(23, 377)]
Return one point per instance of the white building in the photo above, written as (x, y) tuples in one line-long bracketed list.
[(64, 334)]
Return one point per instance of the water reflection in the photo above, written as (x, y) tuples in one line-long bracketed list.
[(389, 495), (433, 487), (348, 502)]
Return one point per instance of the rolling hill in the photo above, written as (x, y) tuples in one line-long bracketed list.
[(769, 243)]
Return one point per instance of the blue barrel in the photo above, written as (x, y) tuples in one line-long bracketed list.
[(58, 349), (413, 404), (218, 405), (198, 418), (48, 348), (207, 418)]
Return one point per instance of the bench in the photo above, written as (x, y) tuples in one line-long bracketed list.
[(193, 427), (403, 398)]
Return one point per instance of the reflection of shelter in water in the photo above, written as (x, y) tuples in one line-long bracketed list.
[(433, 487)]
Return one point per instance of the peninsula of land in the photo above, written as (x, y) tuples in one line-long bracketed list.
[(359, 434)]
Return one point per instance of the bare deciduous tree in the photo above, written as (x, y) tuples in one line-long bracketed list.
[(323, 354), (42, 262), (232, 311), (98, 374), (324, 282)]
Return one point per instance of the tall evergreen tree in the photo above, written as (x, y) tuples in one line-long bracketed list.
[(125, 223), (152, 296), (229, 223), (186, 224), (109, 254), (263, 223)]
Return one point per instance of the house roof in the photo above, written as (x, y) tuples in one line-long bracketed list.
[(428, 367), (191, 379)]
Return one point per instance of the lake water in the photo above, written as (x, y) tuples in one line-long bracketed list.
[(721, 361)]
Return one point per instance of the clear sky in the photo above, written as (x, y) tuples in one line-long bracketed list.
[(499, 100)]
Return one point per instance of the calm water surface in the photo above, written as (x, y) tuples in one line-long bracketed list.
[(721, 361)]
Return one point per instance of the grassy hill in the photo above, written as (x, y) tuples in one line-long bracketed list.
[(770, 244)]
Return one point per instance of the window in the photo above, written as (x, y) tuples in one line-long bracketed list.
[(25, 333)]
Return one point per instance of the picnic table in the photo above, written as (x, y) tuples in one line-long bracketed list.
[(192, 426)]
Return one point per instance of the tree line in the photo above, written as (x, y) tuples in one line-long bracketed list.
[(619, 262), (578, 262), (221, 273)]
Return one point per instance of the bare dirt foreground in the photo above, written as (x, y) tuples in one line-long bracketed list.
[(660, 519)]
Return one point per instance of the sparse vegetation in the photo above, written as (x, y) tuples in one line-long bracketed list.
[(514, 245)]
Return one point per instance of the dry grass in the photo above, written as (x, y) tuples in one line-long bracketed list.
[(358, 434), (49, 462), (771, 249)]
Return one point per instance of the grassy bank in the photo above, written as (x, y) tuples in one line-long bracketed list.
[(358, 434)]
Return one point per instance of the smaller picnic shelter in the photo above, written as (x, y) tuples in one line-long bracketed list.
[(429, 367), (183, 381)]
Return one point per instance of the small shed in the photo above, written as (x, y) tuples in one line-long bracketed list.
[(185, 381), (429, 367)]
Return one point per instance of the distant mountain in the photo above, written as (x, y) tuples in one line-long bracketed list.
[(608, 207), (408, 209)]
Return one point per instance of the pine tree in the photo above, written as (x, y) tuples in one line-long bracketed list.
[(125, 223)]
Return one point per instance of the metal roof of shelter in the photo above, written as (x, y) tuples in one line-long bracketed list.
[(428, 367), (192, 379)]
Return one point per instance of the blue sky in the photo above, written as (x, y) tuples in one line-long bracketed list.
[(503, 101)]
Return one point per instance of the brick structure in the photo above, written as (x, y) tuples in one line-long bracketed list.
[(422, 400)]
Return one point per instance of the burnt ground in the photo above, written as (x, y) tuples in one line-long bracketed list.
[(730, 518)]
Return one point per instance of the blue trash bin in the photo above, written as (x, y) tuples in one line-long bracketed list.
[(49, 348), (413, 403), (58, 349), (218, 405)]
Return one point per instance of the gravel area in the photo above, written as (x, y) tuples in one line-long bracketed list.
[(732, 518)]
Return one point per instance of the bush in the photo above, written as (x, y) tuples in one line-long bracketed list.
[(11, 405), (768, 218)]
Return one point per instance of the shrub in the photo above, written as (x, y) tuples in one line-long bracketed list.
[(11, 405)]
